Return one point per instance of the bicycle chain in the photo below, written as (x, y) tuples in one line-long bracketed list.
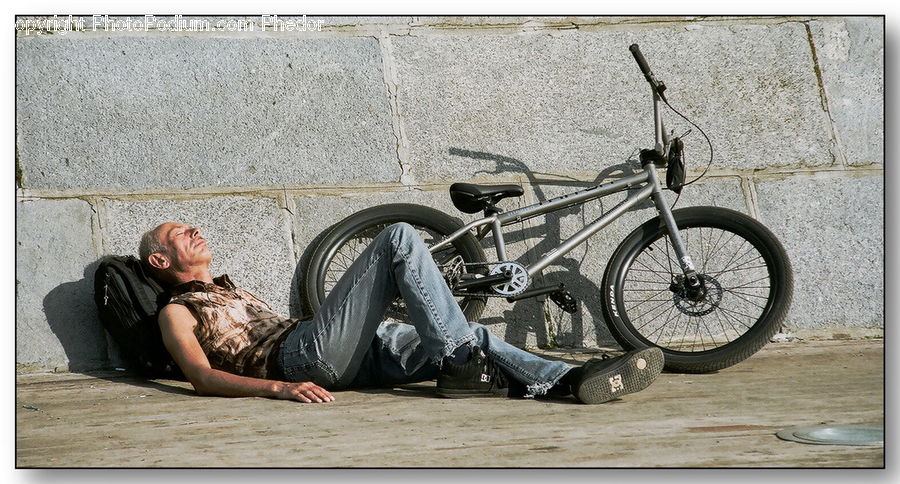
[(477, 294), (467, 264)]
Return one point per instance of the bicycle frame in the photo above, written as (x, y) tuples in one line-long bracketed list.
[(647, 177)]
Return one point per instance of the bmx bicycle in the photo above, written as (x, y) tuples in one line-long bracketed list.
[(709, 286)]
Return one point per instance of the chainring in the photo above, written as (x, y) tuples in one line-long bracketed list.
[(517, 283)]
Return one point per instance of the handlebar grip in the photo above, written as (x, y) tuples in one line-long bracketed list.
[(642, 63)]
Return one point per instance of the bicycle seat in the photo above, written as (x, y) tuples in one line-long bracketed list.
[(471, 198)]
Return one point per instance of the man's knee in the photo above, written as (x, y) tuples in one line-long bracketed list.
[(402, 233), (402, 228)]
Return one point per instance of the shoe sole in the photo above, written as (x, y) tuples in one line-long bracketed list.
[(451, 393), (633, 374)]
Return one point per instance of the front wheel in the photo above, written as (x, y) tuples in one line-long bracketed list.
[(745, 289)]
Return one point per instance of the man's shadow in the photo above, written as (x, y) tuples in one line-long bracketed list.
[(73, 319)]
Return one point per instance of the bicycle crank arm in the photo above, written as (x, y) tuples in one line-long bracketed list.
[(538, 291)]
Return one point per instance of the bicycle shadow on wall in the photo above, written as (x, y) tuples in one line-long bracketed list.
[(568, 330)]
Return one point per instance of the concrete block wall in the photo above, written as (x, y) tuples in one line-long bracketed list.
[(266, 138)]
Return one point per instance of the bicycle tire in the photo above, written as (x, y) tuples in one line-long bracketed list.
[(762, 283), (352, 234)]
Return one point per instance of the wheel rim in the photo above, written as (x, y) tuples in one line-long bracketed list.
[(737, 275), (350, 247)]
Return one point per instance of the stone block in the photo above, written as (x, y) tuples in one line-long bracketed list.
[(568, 100), (166, 111), (250, 238), (850, 51), (56, 320), (833, 230)]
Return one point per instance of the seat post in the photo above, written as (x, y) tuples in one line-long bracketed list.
[(499, 244)]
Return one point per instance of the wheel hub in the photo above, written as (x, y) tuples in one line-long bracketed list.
[(699, 298)]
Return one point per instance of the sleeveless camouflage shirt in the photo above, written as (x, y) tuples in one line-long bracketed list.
[(238, 332)]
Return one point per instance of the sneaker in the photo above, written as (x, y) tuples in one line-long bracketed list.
[(607, 379), (478, 377)]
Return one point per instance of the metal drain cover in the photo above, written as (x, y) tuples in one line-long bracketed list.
[(835, 434)]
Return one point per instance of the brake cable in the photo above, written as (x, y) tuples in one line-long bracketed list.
[(708, 164)]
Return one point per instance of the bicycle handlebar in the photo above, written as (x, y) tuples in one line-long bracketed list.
[(642, 62), (657, 85)]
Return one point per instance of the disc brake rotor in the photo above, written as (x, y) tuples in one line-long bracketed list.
[(709, 302)]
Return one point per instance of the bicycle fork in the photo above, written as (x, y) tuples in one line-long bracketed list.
[(694, 283)]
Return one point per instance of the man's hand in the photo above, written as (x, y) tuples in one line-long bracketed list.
[(306, 392)]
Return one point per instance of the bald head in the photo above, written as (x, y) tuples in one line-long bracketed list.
[(175, 252)]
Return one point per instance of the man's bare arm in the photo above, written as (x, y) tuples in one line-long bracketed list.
[(177, 323)]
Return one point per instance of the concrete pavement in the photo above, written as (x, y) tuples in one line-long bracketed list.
[(724, 419)]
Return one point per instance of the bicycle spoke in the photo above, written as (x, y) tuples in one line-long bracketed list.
[(655, 317), (724, 330), (645, 270), (734, 314), (694, 340), (714, 248), (746, 294), (711, 337), (657, 293), (724, 244), (654, 259), (737, 270), (732, 319), (739, 267), (761, 306), (651, 270), (639, 301), (648, 282), (662, 326), (702, 251), (731, 261), (746, 283), (719, 318), (345, 259), (670, 324), (652, 309), (687, 326), (668, 256)]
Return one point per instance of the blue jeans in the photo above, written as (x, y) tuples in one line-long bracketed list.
[(348, 345)]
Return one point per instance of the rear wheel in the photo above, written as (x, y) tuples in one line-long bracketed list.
[(745, 289), (349, 237)]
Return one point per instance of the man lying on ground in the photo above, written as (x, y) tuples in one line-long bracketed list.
[(228, 342)]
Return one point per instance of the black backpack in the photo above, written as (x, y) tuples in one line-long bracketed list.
[(128, 301)]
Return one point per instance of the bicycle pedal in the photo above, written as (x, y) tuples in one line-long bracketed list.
[(565, 300)]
